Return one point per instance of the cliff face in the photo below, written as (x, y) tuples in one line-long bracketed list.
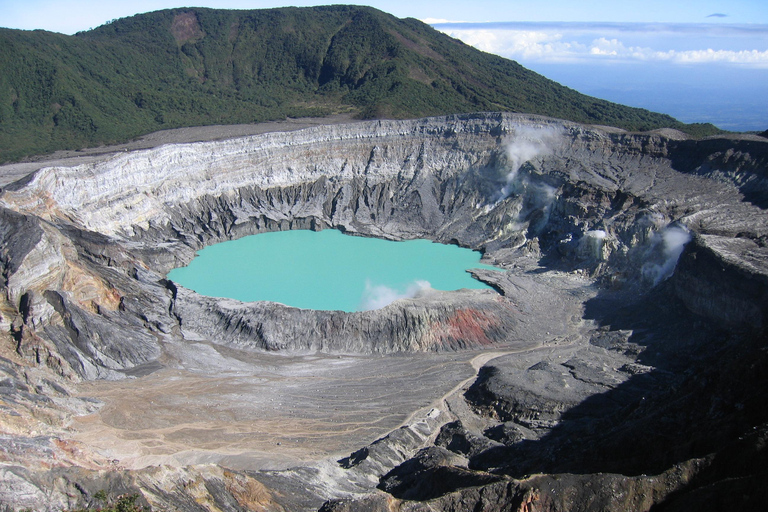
[(595, 228)]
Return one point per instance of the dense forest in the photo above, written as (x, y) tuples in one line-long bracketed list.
[(187, 67)]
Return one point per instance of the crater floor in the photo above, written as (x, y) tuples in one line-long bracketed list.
[(246, 411)]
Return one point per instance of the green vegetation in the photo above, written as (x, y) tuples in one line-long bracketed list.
[(124, 503), (186, 67)]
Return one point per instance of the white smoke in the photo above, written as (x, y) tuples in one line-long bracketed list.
[(591, 244), (529, 143), (532, 198), (666, 248), (378, 296), (536, 196)]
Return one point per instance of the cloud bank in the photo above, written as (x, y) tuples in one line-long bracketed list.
[(742, 45)]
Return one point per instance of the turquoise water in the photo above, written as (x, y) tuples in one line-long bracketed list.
[(326, 270)]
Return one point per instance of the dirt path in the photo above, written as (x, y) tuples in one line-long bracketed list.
[(476, 362)]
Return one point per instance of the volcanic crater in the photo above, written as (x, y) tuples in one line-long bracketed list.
[(633, 295)]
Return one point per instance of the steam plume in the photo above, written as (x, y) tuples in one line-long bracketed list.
[(378, 296), (529, 143), (666, 246), (591, 245), (531, 195)]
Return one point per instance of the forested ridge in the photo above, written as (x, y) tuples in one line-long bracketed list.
[(195, 66)]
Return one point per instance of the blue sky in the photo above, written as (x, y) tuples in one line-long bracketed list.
[(700, 61), (69, 16)]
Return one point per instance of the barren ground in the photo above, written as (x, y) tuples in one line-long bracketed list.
[(258, 410)]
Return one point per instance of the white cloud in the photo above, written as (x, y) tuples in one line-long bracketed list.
[(437, 21), (611, 48), (615, 48), (611, 42), (752, 58), (520, 44)]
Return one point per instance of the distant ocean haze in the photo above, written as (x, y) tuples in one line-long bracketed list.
[(697, 73), (730, 97)]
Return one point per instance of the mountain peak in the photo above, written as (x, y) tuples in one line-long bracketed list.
[(198, 66)]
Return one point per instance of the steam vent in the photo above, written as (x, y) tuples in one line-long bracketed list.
[(618, 362)]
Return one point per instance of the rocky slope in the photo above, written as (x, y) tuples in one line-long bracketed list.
[(632, 310)]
